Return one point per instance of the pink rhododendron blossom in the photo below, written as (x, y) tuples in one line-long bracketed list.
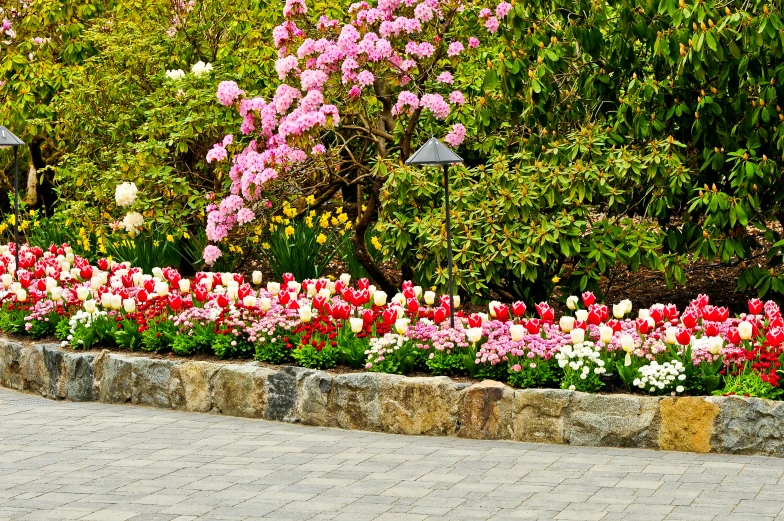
[(228, 92), (503, 9), (407, 102), (365, 78), (455, 48), (228, 139), (319, 149), (246, 215), (492, 24), (211, 254), (285, 65), (355, 92), (423, 13), (485, 13), (217, 153), (436, 104), (456, 97), (456, 136), (294, 7), (445, 77), (473, 42)]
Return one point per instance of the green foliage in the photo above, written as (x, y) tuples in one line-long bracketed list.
[(12, 320), (146, 251), (196, 340), (315, 358), (445, 363), (749, 383), (128, 336), (303, 247), (230, 346), (99, 332), (352, 348), (272, 352), (159, 337)]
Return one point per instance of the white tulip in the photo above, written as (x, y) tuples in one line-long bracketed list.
[(571, 302), (484, 317), (643, 313), (50, 283), (137, 278), (7, 279), (605, 334), (430, 297), (162, 288), (16, 286), (208, 282), (157, 272), (226, 278), (746, 330), (401, 312), (69, 256), (116, 302), (401, 325), (345, 278), (75, 273), (324, 292), (331, 287), (715, 345), (456, 300), (56, 293), (491, 307), (232, 292), (106, 300), (249, 301), (65, 266), (371, 290), (418, 291), (305, 313), (627, 304), (356, 324), (273, 288), (566, 323), (577, 336), (671, 335), (517, 332), (619, 310), (399, 299), (627, 343), (379, 298), (89, 306), (185, 285), (581, 315), (129, 305), (294, 286), (312, 290), (82, 292), (627, 360), (21, 295), (474, 334), (265, 304), (256, 277)]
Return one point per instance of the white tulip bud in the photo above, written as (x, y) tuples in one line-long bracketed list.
[(7, 279), (456, 300), (162, 288), (605, 334), (746, 330), (305, 313), (106, 300), (21, 295), (345, 278), (256, 277), (324, 292), (581, 315), (312, 290), (566, 323), (643, 313), (671, 335), (294, 286), (619, 310), (474, 334), (89, 306), (157, 272), (82, 292), (129, 305), (715, 345), (627, 304), (399, 299), (430, 297), (56, 293), (418, 291), (273, 288), (356, 324), (517, 332), (577, 336), (116, 302), (401, 325), (571, 302), (627, 343), (208, 282), (265, 304), (249, 301), (379, 298), (185, 285)]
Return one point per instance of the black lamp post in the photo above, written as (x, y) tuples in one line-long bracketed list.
[(9, 140), (435, 153)]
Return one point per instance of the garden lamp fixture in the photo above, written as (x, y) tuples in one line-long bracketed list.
[(9, 140), (435, 153)]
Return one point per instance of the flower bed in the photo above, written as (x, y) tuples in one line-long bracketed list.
[(319, 324)]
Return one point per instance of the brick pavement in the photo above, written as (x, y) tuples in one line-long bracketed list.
[(91, 461)]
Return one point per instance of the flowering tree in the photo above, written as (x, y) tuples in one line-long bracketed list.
[(353, 93)]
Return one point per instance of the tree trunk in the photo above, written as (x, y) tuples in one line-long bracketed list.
[(360, 247), (31, 197)]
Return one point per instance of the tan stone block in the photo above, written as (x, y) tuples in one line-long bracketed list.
[(426, 405), (190, 387), (687, 424), (539, 415), (486, 411)]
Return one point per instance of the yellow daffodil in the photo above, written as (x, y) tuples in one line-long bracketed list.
[(265, 245), (310, 200), (289, 231), (170, 238), (321, 239), (375, 242)]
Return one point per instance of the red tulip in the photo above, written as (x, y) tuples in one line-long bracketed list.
[(287, 277), (368, 317), (690, 319), (412, 305), (319, 301), (755, 306), (284, 297), (149, 285), (86, 272), (223, 301), (389, 316), (533, 326), (657, 314), (409, 293), (41, 285), (407, 284), (723, 314), (239, 278), (244, 291), (141, 296), (775, 336), (474, 320), (594, 316), (103, 264), (439, 315), (616, 325), (200, 292), (643, 326), (175, 302), (733, 336), (518, 308), (710, 328), (588, 298), (363, 283), (671, 311), (501, 312), (683, 337), (546, 313)]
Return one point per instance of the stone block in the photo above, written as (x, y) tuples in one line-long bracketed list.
[(539, 415), (150, 382), (114, 374), (486, 410), (314, 399), (748, 426), (10, 365), (687, 424), (598, 420), (238, 390), (190, 386), (427, 405)]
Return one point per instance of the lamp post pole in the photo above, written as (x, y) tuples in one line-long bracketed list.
[(449, 248), (16, 210)]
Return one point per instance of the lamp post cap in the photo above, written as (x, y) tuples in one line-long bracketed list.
[(433, 153), (8, 139)]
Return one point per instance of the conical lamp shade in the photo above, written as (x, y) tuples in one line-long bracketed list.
[(433, 153)]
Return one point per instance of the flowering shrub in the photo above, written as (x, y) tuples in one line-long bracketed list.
[(320, 323)]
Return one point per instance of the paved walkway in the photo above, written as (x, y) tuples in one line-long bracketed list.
[(61, 460)]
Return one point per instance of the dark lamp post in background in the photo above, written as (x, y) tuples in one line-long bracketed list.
[(435, 153), (9, 140)]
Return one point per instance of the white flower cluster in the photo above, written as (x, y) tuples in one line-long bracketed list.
[(132, 222), (583, 357), (708, 344), (82, 317), (125, 194), (200, 68), (382, 346), (175, 74), (658, 377)]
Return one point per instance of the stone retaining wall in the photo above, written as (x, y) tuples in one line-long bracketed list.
[(434, 406)]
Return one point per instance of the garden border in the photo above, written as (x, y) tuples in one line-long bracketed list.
[(380, 402)]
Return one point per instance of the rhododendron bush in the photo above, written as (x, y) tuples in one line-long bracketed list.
[(320, 323), (354, 92)]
